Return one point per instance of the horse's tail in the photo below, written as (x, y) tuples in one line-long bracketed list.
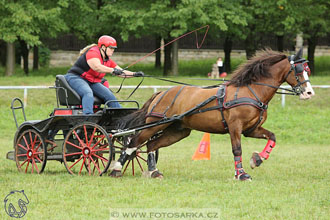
[(138, 117)]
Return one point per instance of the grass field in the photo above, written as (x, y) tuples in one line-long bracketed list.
[(292, 184)]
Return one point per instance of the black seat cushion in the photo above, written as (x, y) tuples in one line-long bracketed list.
[(70, 97)]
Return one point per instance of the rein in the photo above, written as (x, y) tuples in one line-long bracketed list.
[(295, 90)]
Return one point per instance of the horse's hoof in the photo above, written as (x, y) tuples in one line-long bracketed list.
[(116, 173), (255, 160), (156, 175), (244, 177)]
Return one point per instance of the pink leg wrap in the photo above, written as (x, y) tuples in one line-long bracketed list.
[(238, 166), (269, 147)]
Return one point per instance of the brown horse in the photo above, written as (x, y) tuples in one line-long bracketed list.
[(238, 107)]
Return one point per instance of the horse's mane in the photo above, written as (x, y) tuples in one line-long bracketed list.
[(256, 68)]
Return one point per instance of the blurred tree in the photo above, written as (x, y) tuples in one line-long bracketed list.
[(314, 22), (235, 18), (26, 21), (165, 19), (83, 19)]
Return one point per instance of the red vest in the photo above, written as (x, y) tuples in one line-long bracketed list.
[(82, 68)]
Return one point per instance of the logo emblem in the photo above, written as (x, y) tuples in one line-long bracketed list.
[(15, 204)]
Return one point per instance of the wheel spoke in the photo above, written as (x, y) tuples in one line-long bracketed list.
[(141, 158), (103, 164), (73, 145), (92, 137), (85, 131), (20, 166), (21, 155), (75, 163), (77, 136), (27, 145), (100, 157), (137, 159), (27, 166), (82, 165), (95, 165), (22, 147), (120, 148), (98, 142), (126, 166), (33, 162), (53, 145), (101, 149), (77, 153), (30, 135), (38, 146), (119, 142), (39, 159), (133, 166), (34, 141)]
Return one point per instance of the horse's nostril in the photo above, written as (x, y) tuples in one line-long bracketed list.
[(309, 93)]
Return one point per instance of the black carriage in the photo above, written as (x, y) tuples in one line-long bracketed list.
[(82, 142)]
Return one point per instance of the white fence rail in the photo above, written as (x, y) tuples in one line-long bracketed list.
[(155, 88), (26, 88)]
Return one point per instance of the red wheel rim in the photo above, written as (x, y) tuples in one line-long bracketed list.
[(86, 150), (30, 152)]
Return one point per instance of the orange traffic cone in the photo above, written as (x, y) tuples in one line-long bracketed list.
[(203, 150)]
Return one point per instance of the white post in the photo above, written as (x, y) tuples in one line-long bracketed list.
[(283, 99), (25, 97)]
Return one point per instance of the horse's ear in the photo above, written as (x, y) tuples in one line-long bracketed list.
[(299, 54)]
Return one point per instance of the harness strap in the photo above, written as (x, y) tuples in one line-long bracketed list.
[(163, 115), (152, 113), (245, 101), (176, 96), (221, 93), (249, 87)]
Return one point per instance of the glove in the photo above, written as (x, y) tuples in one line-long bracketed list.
[(138, 74), (117, 72)]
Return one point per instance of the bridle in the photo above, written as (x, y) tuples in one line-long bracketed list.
[(298, 66)]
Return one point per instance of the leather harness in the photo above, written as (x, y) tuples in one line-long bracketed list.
[(223, 104)]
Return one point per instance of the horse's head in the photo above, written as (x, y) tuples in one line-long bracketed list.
[(298, 76)]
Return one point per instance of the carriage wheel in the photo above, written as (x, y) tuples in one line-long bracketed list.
[(30, 153), (87, 146), (137, 161)]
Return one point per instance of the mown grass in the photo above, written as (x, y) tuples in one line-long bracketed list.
[(292, 184)]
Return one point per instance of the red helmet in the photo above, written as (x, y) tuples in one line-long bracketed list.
[(107, 41)]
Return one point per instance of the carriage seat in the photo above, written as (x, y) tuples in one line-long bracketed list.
[(73, 97)]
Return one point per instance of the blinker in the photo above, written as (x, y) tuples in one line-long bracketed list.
[(299, 68)]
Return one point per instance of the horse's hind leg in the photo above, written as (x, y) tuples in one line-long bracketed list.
[(170, 136), (257, 158)]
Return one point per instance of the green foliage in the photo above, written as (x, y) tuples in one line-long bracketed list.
[(29, 20), (316, 19), (44, 56)]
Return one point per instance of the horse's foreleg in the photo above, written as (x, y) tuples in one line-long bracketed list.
[(240, 174), (170, 136), (257, 158), (133, 145), (116, 170)]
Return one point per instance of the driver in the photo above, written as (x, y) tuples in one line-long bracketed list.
[(86, 75)]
